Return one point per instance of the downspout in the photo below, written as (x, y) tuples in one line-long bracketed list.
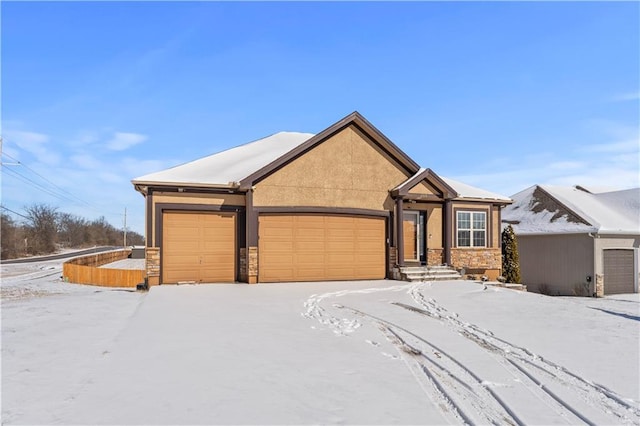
[(149, 217), (594, 278)]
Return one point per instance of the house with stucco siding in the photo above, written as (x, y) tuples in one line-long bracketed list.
[(343, 204)]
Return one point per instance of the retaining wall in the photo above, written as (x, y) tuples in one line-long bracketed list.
[(86, 270)]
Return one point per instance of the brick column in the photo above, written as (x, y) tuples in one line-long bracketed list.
[(252, 265), (152, 255)]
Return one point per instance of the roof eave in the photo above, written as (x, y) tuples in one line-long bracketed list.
[(405, 187), (484, 200), (155, 184)]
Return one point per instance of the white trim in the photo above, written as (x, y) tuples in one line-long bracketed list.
[(471, 229)]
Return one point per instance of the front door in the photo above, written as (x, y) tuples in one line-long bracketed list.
[(411, 236)]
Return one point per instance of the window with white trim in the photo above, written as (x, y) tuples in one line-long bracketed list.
[(471, 229)]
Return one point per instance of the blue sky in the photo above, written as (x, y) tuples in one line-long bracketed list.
[(499, 95)]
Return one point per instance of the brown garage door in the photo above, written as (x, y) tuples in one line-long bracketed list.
[(618, 271), (198, 247), (311, 247)]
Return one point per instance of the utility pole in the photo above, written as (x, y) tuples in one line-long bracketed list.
[(125, 227)]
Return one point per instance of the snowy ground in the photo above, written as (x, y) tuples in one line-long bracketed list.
[(374, 352)]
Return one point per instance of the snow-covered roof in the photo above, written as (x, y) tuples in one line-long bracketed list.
[(543, 209), (468, 191), (228, 167), (409, 181), (461, 190)]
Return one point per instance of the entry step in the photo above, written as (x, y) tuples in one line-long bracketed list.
[(429, 273)]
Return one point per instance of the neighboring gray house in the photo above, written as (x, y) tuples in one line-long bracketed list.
[(573, 241)]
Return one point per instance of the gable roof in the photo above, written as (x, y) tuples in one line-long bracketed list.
[(241, 167), (450, 188), (546, 209), (355, 119), (421, 175)]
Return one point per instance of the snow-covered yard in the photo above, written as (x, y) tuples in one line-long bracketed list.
[(374, 352)]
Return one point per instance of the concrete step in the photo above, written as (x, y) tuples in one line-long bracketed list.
[(519, 287), (426, 268), (442, 277), (428, 273)]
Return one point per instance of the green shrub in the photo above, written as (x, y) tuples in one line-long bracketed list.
[(510, 258)]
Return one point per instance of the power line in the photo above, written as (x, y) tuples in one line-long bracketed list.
[(56, 194), (45, 179), (16, 213), (34, 184)]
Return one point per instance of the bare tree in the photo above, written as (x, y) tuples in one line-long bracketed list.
[(9, 237), (45, 228), (72, 230), (41, 228)]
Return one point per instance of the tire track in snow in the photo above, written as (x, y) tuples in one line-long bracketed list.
[(607, 401), (454, 393), (340, 326), (447, 384), (559, 406), (463, 385)]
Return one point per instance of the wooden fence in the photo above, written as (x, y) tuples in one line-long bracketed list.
[(86, 270)]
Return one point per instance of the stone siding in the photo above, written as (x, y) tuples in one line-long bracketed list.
[(393, 253), (252, 266), (474, 263), (487, 258), (435, 257), (153, 265), (243, 274), (599, 285)]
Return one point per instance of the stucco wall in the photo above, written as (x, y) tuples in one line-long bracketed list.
[(346, 171), (424, 188), (496, 232), (612, 241), (559, 262)]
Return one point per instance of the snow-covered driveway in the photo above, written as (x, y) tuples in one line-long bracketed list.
[(375, 352)]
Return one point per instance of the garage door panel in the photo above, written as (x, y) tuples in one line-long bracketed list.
[(309, 274), (322, 247), (279, 274), (619, 271), (314, 247), (181, 275), (198, 246)]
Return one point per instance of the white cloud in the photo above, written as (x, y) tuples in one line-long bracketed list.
[(134, 167), (86, 161), (629, 96), (624, 146), (122, 141), (34, 143), (614, 164), (565, 165), (83, 139)]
